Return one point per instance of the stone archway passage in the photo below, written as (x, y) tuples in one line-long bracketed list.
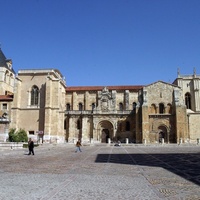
[(105, 136), (162, 134), (105, 128)]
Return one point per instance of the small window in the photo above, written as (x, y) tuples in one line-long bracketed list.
[(121, 106), (161, 108), (4, 106), (31, 132), (93, 106), (68, 106), (80, 106)]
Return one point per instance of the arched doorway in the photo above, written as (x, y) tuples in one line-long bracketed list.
[(162, 134), (105, 131), (105, 136)]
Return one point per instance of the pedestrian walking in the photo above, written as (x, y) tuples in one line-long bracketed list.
[(78, 146), (31, 146)]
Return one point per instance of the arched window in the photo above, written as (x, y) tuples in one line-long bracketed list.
[(121, 106), (188, 100), (153, 109), (161, 108), (80, 106), (34, 95), (134, 106), (169, 108), (127, 126), (68, 106)]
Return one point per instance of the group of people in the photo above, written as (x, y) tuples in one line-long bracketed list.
[(31, 146)]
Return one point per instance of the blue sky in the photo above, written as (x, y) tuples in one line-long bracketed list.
[(103, 42)]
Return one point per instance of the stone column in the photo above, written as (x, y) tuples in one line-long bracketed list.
[(84, 129), (71, 130)]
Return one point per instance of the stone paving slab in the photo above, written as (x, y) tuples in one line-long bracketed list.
[(101, 172)]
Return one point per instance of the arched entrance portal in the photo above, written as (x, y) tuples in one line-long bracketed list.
[(162, 134), (105, 131)]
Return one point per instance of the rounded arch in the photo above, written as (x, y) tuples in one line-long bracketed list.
[(153, 109), (163, 133), (162, 127), (105, 130), (169, 108), (80, 106)]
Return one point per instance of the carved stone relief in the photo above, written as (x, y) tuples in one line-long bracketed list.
[(105, 100)]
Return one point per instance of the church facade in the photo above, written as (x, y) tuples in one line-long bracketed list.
[(40, 102)]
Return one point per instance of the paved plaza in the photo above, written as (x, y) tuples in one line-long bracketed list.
[(101, 172)]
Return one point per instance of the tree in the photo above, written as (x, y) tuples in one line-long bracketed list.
[(18, 136)]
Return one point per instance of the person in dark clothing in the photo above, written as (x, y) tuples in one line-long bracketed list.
[(31, 147)]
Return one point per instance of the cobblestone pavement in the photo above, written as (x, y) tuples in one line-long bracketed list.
[(101, 172)]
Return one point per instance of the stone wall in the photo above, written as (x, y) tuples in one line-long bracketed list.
[(194, 127)]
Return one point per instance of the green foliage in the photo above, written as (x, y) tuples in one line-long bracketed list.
[(18, 136)]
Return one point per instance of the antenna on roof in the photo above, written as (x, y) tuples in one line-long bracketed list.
[(178, 71)]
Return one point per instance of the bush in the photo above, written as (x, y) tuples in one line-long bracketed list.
[(18, 136)]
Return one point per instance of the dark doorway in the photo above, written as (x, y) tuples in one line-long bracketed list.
[(161, 136), (105, 135)]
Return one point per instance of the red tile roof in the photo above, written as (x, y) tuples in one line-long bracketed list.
[(99, 88)]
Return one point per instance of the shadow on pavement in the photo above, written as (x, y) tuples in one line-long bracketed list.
[(184, 165)]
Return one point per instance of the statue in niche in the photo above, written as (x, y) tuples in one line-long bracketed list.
[(105, 97)]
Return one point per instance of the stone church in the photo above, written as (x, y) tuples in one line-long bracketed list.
[(40, 102)]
